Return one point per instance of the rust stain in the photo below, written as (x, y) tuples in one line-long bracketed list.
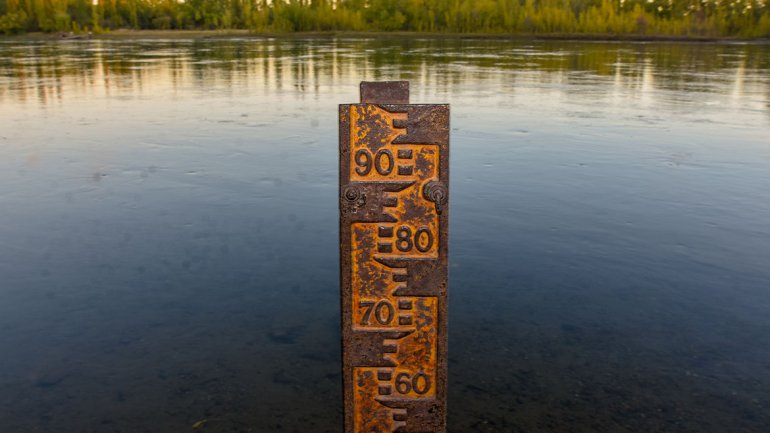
[(394, 263)]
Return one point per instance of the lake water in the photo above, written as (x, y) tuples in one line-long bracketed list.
[(168, 233)]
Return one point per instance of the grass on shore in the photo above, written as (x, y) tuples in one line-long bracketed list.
[(234, 33)]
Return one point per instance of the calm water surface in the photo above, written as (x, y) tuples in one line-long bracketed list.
[(168, 233)]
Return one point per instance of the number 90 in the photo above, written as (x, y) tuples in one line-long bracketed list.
[(382, 161)]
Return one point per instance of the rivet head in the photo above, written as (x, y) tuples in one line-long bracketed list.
[(437, 193), (353, 195)]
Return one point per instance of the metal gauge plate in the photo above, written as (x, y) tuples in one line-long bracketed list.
[(394, 179)]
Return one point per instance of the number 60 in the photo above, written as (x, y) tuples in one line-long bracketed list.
[(420, 383)]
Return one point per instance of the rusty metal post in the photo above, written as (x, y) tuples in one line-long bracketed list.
[(394, 179)]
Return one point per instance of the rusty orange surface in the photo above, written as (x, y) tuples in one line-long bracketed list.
[(375, 306)]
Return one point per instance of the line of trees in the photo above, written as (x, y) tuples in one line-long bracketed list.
[(747, 18)]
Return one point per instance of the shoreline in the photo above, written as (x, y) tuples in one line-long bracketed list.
[(123, 34)]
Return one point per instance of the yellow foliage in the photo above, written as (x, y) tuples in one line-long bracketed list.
[(617, 17)]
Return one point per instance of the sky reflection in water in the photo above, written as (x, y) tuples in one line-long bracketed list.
[(168, 240)]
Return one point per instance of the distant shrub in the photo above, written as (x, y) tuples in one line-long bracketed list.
[(743, 18), (161, 23), (763, 27), (13, 23)]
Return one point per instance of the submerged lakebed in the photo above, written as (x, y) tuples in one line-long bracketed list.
[(168, 232)]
